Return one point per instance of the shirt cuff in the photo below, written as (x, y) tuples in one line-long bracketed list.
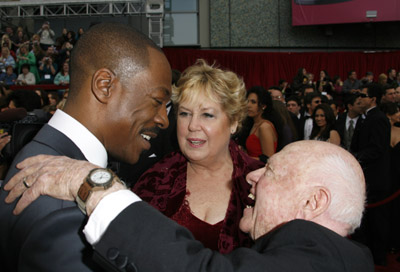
[(105, 212)]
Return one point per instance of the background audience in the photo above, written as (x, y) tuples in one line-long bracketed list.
[(42, 58)]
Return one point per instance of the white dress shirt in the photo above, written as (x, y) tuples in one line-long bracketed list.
[(308, 126), (348, 121), (105, 212), (94, 152), (91, 147)]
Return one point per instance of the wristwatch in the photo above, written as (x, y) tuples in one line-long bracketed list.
[(98, 179)]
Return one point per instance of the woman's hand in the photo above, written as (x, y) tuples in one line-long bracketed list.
[(55, 176)]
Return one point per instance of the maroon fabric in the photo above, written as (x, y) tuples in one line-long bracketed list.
[(267, 68), (164, 187), (206, 233)]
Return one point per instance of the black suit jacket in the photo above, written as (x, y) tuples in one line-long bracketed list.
[(371, 147), (142, 239), (47, 236), (340, 126)]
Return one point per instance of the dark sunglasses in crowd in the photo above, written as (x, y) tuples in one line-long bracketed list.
[(362, 95)]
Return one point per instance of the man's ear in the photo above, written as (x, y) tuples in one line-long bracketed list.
[(102, 84), (317, 202)]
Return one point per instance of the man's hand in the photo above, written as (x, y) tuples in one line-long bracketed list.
[(4, 139), (55, 176)]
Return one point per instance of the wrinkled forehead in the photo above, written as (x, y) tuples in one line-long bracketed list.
[(284, 164)]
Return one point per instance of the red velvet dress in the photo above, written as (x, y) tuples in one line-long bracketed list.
[(164, 187)]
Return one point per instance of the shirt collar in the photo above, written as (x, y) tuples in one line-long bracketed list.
[(90, 146), (355, 119), (366, 112)]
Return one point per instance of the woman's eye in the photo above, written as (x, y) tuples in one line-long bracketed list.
[(183, 113), (208, 115)]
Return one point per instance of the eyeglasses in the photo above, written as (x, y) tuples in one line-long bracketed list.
[(363, 95)]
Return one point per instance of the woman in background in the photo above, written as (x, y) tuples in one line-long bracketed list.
[(324, 84), (300, 79), (26, 57), (62, 77), (262, 140), (323, 125)]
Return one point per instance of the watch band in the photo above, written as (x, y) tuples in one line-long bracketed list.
[(83, 194), (86, 189)]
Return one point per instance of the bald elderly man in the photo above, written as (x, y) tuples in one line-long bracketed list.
[(120, 84), (301, 216)]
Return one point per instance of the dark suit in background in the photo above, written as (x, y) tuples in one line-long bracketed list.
[(340, 127), (166, 246), (47, 235), (371, 146)]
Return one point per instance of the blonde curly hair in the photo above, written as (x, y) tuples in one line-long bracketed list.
[(222, 87)]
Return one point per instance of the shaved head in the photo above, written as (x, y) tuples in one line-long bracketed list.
[(317, 163), (119, 48), (323, 183)]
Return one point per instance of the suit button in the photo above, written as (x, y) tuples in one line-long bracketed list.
[(112, 253), (131, 268), (121, 261)]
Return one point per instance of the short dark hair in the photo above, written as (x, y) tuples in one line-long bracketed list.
[(350, 100), (114, 46), (350, 72), (306, 86), (389, 108), (275, 88), (26, 99), (375, 90), (25, 65), (387, 87), (310, 96), (294, 98), (281, 81), (390, 70)]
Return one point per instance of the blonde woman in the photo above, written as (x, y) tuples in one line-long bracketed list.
[(203, 185)]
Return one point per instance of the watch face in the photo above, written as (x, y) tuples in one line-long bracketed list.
[(101, 176)]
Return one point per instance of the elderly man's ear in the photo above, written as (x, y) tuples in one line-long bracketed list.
[(315, 204), (103, 82)]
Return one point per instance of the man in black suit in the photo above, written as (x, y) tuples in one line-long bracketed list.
[(299, 221), (120, 84), (311, 101), (349, 121), (371, 147), (293, 104)]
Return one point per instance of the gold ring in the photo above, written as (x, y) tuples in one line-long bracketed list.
[(25, 184)]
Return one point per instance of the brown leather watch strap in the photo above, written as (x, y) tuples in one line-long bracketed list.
[(84, 191)]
